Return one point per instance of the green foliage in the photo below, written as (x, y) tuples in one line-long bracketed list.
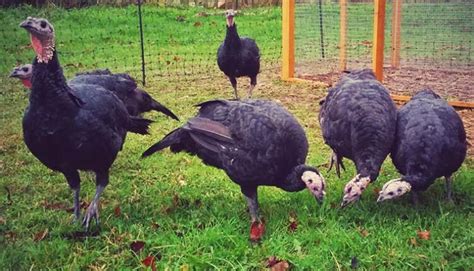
[(190, 214)]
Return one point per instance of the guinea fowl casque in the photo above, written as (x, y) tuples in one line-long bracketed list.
[(430, 143), (237, 56), (358, 120), (255, 142), (136, 100), (70, 129)]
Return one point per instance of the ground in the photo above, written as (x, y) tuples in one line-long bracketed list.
[(191, 216)]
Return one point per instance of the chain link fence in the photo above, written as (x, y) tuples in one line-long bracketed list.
[(178, 44), (435, 49)]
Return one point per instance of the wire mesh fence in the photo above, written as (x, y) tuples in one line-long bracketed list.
[(435, 47), (178, 44)]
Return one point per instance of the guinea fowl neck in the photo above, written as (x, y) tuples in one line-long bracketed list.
[(48, 81), (293, 182), (232, 39)]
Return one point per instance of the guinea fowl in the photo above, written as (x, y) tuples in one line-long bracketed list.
[(23, 73), (430, 142), (358, 120), (237, 56), (72, 128), (255, 142), (136, 100)]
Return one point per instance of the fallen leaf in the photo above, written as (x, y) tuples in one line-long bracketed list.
[(423, 235), (354, 263), (376, 191), (281, 266), (202, 14), (413, 242), (54, 206), (40, 235), (197, 24), (155, 225), (277, 265), (150, 262), (2, 220), (176, 58), (136, 246), (293, 224), (11, 235), (256, 231), (9, 196), (363, 232), (117, 211)]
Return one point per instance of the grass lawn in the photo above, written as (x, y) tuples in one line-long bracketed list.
[(191, 216)]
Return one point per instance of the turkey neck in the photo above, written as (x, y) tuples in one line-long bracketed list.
[(293, 182), (232, 39), (49, 84)]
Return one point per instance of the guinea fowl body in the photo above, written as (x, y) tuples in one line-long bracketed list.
[(267, 144), (358, 120), (430, 140)]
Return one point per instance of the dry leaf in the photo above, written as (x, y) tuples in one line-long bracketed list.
[(40, 235), (136, 246), (117, 211), (2, 220), (277, 265), (293, 223), (363, 232), (256, 231), (413, 242), (150, 262), (197, 24), (423, 235)]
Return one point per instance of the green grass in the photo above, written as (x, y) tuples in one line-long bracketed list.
[(189, 214)]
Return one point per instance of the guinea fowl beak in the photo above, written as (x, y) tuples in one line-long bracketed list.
[(344, 203)]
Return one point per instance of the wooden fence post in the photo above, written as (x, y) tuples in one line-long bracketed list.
[(288, 39), (342, 35), (396, 33), (378, 43)]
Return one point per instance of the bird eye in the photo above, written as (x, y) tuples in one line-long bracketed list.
[(390, 193), (43, 24), (349, 189), (25, 69)]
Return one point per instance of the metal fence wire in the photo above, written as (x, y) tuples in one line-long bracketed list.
[(166, 43), (435, 49)]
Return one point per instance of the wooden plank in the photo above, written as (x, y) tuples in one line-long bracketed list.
[(457, 104), (288, 39), (379, 34), (396, 32), (342, 35)]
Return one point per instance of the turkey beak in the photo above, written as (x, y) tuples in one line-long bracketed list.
[(344, 204), (26, 23), (320, 198), (14, 73)]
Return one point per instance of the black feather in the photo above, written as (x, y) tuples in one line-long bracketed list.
[(430, 140), (358, 120)]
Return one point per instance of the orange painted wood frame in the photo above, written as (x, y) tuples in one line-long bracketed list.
[(396, 33), (379, 34), (288, 39), (342, 35)]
